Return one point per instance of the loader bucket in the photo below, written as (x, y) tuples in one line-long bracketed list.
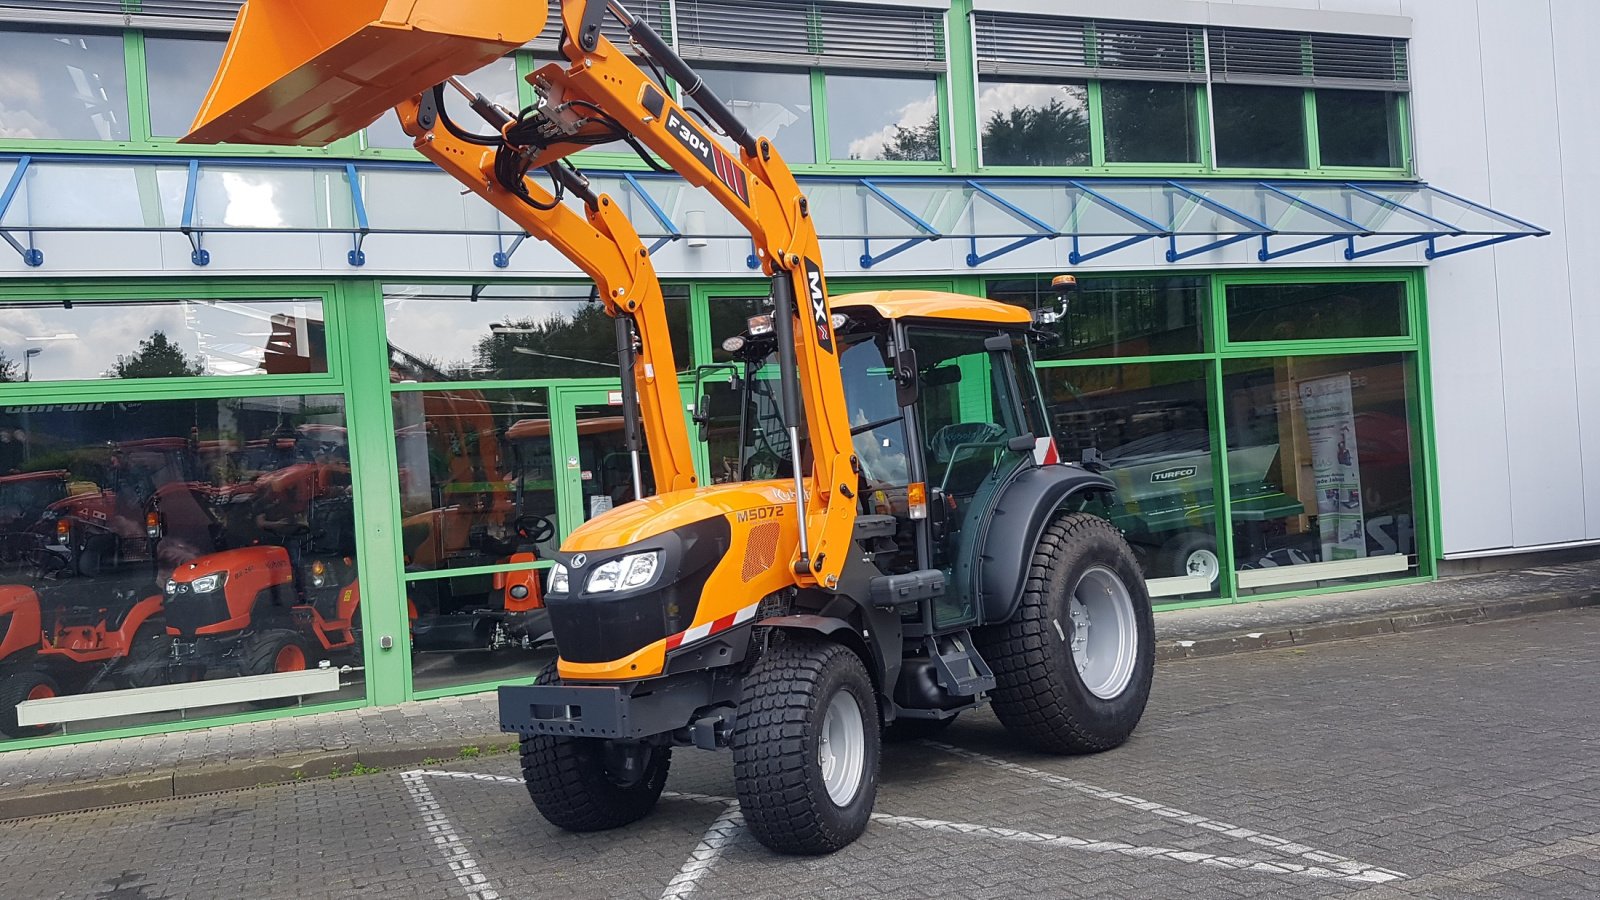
[(309, 72)]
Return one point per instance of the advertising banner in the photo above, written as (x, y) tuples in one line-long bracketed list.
[(1330, 423)]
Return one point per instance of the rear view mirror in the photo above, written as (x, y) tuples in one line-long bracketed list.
[(702, 417), (905, 377)]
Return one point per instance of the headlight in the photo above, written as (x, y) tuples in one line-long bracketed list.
[(206, 584), (626, 574), (558, 579)]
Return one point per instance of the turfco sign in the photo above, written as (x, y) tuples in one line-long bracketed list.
[(1178, 474)]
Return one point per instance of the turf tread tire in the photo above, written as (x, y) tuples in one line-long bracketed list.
[(259, 656), (776, 773), (1039, 695), (567, 781), (14, 689)]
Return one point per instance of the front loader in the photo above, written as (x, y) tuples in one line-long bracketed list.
[(904, 545)]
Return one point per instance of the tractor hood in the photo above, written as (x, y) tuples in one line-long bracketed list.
[(652, 516)]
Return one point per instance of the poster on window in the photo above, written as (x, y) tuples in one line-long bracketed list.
[(1335, 463)]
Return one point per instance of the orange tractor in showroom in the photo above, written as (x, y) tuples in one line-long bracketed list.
[(905, 546)]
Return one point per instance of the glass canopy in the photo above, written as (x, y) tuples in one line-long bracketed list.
[(886, 215)]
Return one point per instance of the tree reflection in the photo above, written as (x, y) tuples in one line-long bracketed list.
[(157, 357)]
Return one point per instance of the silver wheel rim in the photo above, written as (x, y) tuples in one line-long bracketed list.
[(1105, 633), (1204, 562), (842, 751)]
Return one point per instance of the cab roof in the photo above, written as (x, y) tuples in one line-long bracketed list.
[(934, 305)]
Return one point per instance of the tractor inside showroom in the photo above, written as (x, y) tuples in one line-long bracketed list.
[(907, 547)]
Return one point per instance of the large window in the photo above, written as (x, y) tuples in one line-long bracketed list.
[(1260, 127), (509, 332), (902, 123), (1024, 123), (1264, 433), (55, 341), (775, 103), (62, 86), (178, 71), (1359, 129), (1151, 122), (158, 543)]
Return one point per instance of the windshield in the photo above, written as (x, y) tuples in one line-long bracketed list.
[(764, 451)]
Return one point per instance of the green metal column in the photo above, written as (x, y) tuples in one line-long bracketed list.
[(372, 465), (963, 88)]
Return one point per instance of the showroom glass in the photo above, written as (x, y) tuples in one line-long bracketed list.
[(1320, 456), (884, 118), (463, 633), (1259, 127), (62, 86), (179, 71), (108, 507), (1359, 129), (1116, 317), (1301, 312), (497, 81), (1147, 427), (774, 103), (1150, 122), (161, 339), (511, 332), (1027, 123), (473, 464)]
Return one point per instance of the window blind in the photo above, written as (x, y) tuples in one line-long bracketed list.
[(808, 33), (1048, 46), (1240, 56)]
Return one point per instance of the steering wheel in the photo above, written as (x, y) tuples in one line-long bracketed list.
[(535, 529)]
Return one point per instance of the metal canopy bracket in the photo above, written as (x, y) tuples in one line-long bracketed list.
[(976, 259), (31, 256), (1154, 229), (358, 257), (198, 255), (1258, 227), (868, 260)]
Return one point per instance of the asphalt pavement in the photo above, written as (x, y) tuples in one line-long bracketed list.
[(1446, 762)]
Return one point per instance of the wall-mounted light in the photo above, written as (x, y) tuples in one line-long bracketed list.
[(694, 228)]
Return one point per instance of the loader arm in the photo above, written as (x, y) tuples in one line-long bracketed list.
[(759, 190), (604, 244), (311, 72)]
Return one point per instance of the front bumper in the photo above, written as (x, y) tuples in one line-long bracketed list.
[(628, 711)]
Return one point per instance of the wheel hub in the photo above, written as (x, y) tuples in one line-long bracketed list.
[(1104, 639), (841, 748)]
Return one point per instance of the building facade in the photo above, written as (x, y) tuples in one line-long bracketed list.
[(1310, 347)]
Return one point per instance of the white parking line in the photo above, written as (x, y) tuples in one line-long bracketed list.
[(446, 840), (1346, 867), (724, 831), (1367, 875)]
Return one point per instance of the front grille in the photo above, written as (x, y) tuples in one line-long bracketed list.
[(594, 630), (190, 612)]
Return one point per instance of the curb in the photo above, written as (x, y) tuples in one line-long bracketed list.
[(232, 775), (1171, 649)]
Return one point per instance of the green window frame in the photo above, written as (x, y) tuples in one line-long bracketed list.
[(1220, 350)]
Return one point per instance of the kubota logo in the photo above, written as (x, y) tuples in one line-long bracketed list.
[(579, 560)]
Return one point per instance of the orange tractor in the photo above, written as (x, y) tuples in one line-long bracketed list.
[(905, 546)]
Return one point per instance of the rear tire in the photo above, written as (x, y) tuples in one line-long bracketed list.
[(18, 687), (577, 784), (805, 747), (1061, 685)]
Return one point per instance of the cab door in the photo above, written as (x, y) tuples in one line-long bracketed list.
[(969, 408)]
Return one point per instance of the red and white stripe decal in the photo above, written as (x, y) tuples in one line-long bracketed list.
[(700, 632), (1044, 451)]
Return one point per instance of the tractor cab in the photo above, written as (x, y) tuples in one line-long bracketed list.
[(944, 410)]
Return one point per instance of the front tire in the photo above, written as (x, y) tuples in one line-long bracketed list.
[(1073, 665), (582, 784), (274, 651), (21, 686), (805, 749)]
